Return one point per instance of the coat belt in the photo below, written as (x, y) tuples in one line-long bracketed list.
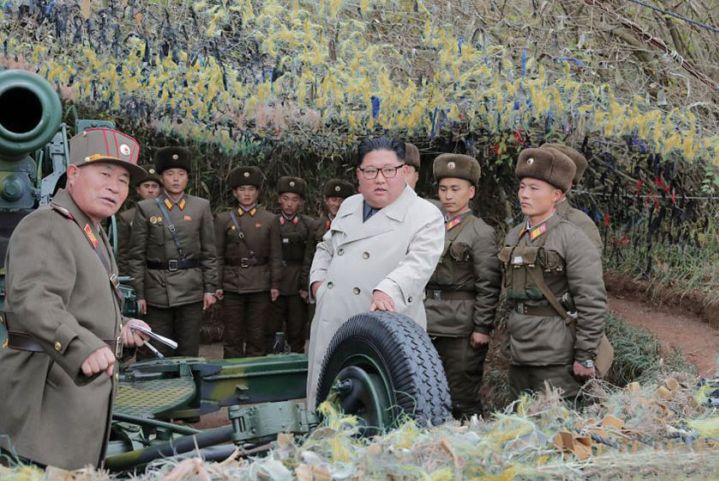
[(23, 341)]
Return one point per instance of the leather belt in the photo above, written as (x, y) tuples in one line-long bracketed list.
[(174, 264), (23, 341), (246, 262), (449, 295), (543, 311)]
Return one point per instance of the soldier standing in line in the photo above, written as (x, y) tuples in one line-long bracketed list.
[(545, 259), (250, 264), (172, 256), (564, 207), (462, 294), (295, 232), (147, 187)]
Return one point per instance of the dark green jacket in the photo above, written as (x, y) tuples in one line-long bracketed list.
[(295, 238), (581, 220), (124, 230)]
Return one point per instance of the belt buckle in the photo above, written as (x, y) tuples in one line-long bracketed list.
[(244, 262), (521, 308), (173, 265)]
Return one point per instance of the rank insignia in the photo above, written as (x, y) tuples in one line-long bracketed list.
[(90, 236), (537, 231), (454, 223)]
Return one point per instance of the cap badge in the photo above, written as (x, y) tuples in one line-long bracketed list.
[(338, 188), (451, 165), (292, 183), (151, 171), (175, 156), (124, 149), (246, 174), (530, 161)]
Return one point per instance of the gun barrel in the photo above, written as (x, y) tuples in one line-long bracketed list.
[(30, 113)]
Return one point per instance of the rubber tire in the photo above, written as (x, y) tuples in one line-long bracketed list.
[(405, 353)]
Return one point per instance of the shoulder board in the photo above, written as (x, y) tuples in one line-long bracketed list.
[(62, 211)]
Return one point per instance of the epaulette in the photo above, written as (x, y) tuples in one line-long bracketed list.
[(62, 211)]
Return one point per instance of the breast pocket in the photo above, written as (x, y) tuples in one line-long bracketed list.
[(156, 234), (460, 252)]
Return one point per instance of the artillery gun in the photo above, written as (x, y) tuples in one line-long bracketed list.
[(380, 367)]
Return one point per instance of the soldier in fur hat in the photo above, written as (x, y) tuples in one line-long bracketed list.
[(462, 294), (250, 265)]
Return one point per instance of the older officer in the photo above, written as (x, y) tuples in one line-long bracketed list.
[(172, 255), (564, 207), (462, 293), (546, 259), (63, 311), (147, 187), (295, 232), (378, 254), (250, 259)]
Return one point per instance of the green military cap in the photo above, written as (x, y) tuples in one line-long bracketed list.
[(338, 188), (458, 166), (106, 146), (547, 164), (411, 155), (151, 175), (173, 158), (580, 161), (246, 175), (293, 185)]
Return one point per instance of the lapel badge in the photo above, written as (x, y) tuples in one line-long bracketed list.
[(187, 217), (153, 220), (258, 225)]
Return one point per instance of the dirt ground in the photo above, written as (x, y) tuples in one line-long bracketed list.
[(674, 327)]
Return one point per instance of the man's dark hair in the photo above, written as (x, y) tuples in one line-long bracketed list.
[(369, 144)]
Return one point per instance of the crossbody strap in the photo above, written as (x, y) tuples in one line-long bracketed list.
[(170, 227)]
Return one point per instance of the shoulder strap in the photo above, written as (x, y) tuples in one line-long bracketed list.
[(170, 227), (549, 295)]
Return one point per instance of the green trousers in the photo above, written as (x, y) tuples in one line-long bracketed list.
[(464, 367), (533, 378), (181, 324)]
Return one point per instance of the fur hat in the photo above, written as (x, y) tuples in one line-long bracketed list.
[(293, 185), (456, 165), (151, 175), (580, 161), (173, 158), (338, 188), (250, 175), (411, 155), (547, 164)]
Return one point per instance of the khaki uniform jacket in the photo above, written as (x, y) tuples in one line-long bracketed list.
[(152, 241), (59, 291), (261, 242), (124, 231), (575, 266), (469, 264), (295, 238), (322, 225), (394, 251), (581, 220)]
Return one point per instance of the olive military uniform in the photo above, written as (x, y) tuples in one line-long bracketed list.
[(250, 260), (173, 261), (558, 257), (62, 306), (462, 294)]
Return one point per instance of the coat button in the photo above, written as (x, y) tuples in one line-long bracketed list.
[(365, 255), (58, 346), (409, 299), (329, 285), (356, 291), (340, 251)]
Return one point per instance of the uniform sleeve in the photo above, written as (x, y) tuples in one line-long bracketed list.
[(136, 262), (310, 246), (324, 252), (586, 285), (209, 251), (40, 283), (406, 282), (275, 254), (220, 248), (123, 244), (487, 278)]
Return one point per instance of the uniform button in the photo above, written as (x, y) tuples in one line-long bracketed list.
[(340, 251), (356, 291), (365, 255), (329, 285), (58, 346)]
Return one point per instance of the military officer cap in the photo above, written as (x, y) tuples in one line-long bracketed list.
[(458, 166), (338, 188), (173, 158), (411, 155), (151, 175), (106, 146), (580, 161), (293, 185), (250, 175), (547, 164)]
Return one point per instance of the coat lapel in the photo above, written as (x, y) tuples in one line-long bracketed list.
[(385, 220)]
